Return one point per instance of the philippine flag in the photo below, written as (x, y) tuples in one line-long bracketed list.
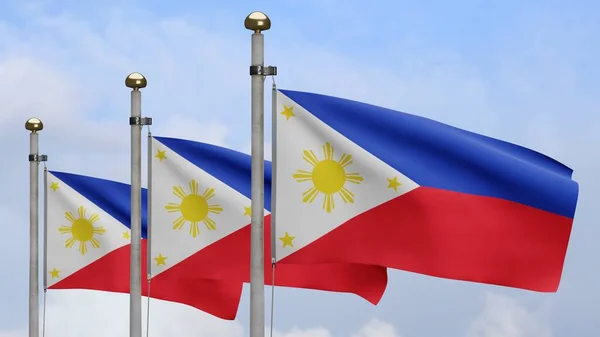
[(200, 212), (363, 184), (87, 240)]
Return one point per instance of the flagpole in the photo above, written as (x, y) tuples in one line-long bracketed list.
[(273, 173), (149, 214), (273, 199), (45, 226), (34, 125), (136, 81), (149, 230), (257, 22)]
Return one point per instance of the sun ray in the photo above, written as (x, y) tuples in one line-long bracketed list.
[(171, 207), (93, 218), (346, 195), (95, 243), (70, 242), (210, 223), (99, 230), (208, 194), (194, 187), (354, 178), (328, 177), (82, 248), (70, 217), (194, 229), (328, 151), (302, 175), (194, 208), (345, 160), (310, 157), (310, 195), (216, 209), (179, 222), (81, 212), (65, 229), (328, 203), (179, 192)]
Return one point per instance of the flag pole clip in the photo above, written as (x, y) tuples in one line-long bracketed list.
[(140, 120), (264, 71), (38, 157)]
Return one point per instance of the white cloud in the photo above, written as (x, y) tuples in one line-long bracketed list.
[(188, 127), (377, 328), (15, 333), (29, 86), (97, 314), (74, 313), (297, 332), (505, 317)]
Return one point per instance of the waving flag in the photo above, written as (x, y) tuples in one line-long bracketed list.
[(88, 240), (200, 202), (363, 184)]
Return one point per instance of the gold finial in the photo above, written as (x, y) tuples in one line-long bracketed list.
[(34, 124), (135, 81), (257, 22)]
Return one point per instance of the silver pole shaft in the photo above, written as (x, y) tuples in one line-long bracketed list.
[(257, 257), (273, 199), (135, 286), (34, 327), (45, 256), (149, 213), (149, 231), (273, 172)]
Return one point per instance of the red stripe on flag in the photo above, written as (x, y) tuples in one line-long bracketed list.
[(229, 259), (111, 273), (452, 235)]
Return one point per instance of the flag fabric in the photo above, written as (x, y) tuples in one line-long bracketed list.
[(88, 246), (364, 184), (200, 208)]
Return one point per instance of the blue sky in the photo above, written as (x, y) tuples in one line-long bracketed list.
[(522, 71)]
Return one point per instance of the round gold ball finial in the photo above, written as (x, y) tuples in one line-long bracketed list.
[(257, 22), (34, 124), (135, 81)]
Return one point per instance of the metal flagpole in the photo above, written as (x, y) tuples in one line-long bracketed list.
[(45, 226), (34, 125), (149, 213), (45, 254), (149, 230), (136, 81), (273, 198), (273, 171), (257, 22)]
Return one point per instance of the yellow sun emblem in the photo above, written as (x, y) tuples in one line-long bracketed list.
[(194, 208), (82, 230), (328, 177)]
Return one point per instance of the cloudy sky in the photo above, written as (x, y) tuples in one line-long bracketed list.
[(522, 71)]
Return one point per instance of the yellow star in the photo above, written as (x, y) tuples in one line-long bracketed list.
[(160, 155), (288, 112), (54, 273), (54, 186), (126, 235), (248, 211), (287, 240), (393, 183), (160, 260)]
